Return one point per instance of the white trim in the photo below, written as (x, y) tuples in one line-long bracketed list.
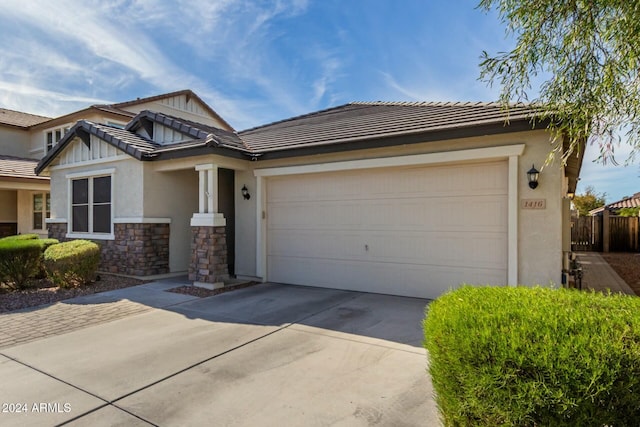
[(93, 236), (487, 154), (208, 220), (90, 162), (55, 221), (91, 174), (512, 222), (261, 228), (206, 167), (510, 152), (141, 220)]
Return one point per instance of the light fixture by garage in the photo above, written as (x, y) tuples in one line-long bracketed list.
[(532, 175), (245, 192)]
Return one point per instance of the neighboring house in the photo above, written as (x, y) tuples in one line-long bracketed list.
[(614, 208), (24, 196), (397, 198), (27, 138)]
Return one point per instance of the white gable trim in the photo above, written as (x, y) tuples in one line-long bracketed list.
[(91, 162)]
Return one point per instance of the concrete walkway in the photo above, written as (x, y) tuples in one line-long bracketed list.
[(599, 276)]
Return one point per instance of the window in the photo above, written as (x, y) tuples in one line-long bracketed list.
[(41, 210), (54, 135), (91, 205)]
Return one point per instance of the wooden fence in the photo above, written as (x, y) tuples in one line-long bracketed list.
[(588, 233), (623, 234)]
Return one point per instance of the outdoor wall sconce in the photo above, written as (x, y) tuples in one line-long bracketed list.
[(245, 192), (532, 175)]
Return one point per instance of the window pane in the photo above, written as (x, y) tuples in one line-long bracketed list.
[(102, 219), (80, 191), (58, 135), (102, 189), (48, 197), (49, 138), (37, 220), (81, 218), (37, 202)]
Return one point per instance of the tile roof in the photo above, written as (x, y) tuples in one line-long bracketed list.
[(19, 119), (627, 202), (17, 167), (219, 137), (369, 120)]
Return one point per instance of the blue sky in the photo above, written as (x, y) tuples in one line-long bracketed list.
[(256, 61)]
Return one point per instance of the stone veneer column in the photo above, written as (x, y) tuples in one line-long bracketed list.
[(138, 249), (208, 254)]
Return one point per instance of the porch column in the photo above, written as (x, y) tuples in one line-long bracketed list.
[(208, 266)]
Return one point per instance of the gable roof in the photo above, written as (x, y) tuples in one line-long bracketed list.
[(188, 92), (17, 167), (19, 119), (141, 148), (188, 128), (359, 121)]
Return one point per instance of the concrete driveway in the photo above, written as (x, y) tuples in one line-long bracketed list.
[(269, 355)]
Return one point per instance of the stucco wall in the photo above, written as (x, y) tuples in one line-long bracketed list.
[(25, 213), (173, 195), (540, 232), (245, 254), (15, 142), (8, 202), (127, 184)]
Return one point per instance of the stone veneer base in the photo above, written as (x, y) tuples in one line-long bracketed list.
[(138, 249), (208, 254)]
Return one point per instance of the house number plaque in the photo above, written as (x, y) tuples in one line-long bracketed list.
[(534, 203)]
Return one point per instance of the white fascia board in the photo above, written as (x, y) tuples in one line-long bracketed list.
[(489, 153), (141, 220)]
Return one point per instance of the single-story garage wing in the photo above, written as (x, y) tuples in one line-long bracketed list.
[(398, 198)]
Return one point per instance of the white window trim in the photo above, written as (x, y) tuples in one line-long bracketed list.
[(44, 211), (61, 128), (89, 175)]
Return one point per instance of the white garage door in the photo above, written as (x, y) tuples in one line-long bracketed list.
[(413, 231)]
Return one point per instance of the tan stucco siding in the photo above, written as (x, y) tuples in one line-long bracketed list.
[(25, 213), (173, 195), (127, 187), (8, 206), (540, 232), (15, 142), (245, 254)]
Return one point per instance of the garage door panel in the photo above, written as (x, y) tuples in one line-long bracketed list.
[(412, 280), (408, 231), (437, 248), (391, 183), (442, 213)]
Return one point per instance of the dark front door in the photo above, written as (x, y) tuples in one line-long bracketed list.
[(227, 207)]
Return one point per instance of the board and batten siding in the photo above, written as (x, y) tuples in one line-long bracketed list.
[(78, 152)]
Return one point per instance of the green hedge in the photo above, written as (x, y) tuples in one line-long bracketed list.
[(72, 263), (522, 356), (20, 237), (21, 259)]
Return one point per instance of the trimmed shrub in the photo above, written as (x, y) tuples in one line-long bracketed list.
[(21, 259), (72, 263), (20, 237), (534, 357)]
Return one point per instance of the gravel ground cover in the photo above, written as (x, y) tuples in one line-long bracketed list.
[(43, 292), (627, 265)]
